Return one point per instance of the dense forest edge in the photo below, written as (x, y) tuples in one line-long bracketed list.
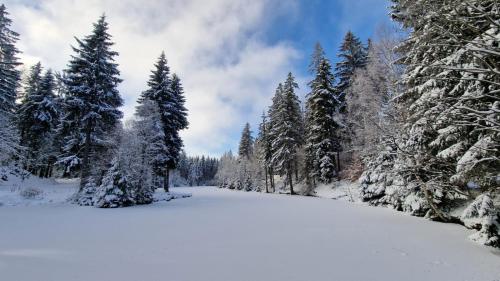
[(412, 116)]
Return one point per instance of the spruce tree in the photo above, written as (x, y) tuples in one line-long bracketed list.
[(9, 81), (176, 121), (316, 58), (352, 56), (9, 74), (263, 151), (321, 126), (287, 131), (91, 104), (245, 150), (168, 95), (26, 112)]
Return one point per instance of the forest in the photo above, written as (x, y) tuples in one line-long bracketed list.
[(412, 115)]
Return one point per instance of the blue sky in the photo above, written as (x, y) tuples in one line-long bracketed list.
[(229, 54)]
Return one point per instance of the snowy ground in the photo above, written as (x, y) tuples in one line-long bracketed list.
[(225, 235)]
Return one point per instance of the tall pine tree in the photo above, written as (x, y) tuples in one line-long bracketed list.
[(37, 118), (168, 95), (286, 130), (322, 138), (9, 81), (352, 56), (92, 101)]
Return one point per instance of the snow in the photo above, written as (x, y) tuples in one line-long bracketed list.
[(52, 191), (220, 234)]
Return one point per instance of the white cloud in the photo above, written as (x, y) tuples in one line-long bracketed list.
[(229, 73)]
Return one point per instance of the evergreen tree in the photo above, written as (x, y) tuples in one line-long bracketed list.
[(9, 74), (167, 93), (352, 56), (27, 107), (316, 58), (175, 120), (245, 150), (321, 127), (92, 101), (37, 118), (286, 130), (9, 81), (264, 153)]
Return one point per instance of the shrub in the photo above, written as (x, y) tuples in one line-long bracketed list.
[(31, 193)]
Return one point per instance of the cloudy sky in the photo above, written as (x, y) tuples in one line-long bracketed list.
[(230, 54)]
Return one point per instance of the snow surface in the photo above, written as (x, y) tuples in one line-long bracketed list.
[(227, 235)]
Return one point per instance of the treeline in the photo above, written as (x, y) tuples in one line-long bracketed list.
[(308, 143), (69, 123), (413, 114), (195, 171)]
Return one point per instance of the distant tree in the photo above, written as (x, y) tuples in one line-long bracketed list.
[(263, 150), (352, 56), (317, 56), (245, 150), (287, 131)]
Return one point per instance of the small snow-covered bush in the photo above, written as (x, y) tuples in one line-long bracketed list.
[(115, 189), (31, 193), (482, 216), (85, 196)]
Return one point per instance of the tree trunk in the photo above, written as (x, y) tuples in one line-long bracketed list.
[(338, 161), (85, 169), (290, 178), (296, 172), (265, 173), (271, 179), (166, 180)]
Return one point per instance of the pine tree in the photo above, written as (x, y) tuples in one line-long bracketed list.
[(352, 56), (264, 152), (321, 127), (167, 93), (176, 121), (115, 190), (92, 101), (245, 150), (9, 81), (147, 128), (316, 58), (27, 108), (286, 130), (37, 118), (9, 74)]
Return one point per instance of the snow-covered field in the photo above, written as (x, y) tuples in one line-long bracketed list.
[(224, 235)]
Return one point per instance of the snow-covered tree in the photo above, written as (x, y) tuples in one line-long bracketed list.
[(167, 93), (92, 101), (447, 151), (37, 118), (9, 81), (263, 151), (115, 190), (322, 136), (9, 74), (286, 131), (352, 55), (245, 149)]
